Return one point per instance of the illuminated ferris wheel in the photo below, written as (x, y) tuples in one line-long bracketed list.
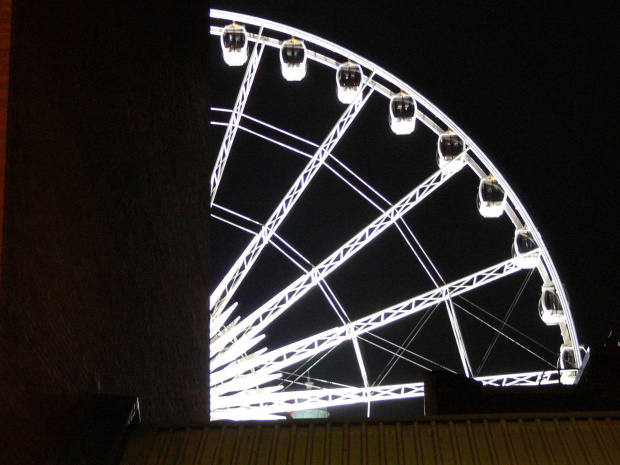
[(341, 201)]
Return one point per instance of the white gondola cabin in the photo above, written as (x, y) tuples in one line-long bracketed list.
[(349, 77), (402, 113), (491, 198), (293, 59), (449, 146), (568, 364), (549, 306), (522, 244), (234, 41)]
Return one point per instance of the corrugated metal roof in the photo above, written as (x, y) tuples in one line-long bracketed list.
[(550, 439)]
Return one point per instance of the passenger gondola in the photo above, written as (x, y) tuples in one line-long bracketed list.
[(293, 59), (522, 244), (491, 198), (348, 80), (549, 306), (568, 364), (402, 113), (234, 42), (449, 147)]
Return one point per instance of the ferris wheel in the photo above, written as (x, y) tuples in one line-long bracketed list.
[(360, 237)]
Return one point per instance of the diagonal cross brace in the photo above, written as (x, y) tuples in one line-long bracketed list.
[(293, 353), (224, 291), (235, 117), (272, 309)]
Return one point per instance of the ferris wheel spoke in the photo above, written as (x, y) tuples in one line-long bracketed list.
[(279, 402), (404, 229), (458, 337), (234, 277), (218, 322), (267, 313), (278, 359), (231, 130)]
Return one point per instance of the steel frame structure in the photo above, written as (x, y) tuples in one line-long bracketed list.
[(293, 353), (272, 403), (232, 280), (242, 382), (235, 117)]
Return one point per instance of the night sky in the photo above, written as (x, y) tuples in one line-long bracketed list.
[(531, 86)]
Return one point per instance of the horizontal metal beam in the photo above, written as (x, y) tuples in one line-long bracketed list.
[(244, 405)]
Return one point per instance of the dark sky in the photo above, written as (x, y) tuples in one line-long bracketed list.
[(531, 86)]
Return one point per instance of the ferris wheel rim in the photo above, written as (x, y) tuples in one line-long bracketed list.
[(450, 125)]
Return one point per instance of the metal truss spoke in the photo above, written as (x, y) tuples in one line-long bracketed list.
[(280, 402), (267, 313), (278, 359), (245, 406), (402, 227), (231, 131), (234, 277)]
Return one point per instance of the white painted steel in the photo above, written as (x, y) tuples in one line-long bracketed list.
[(434, 113), (286, 356), (225, 290), (458, 337), (245, 406), (231, 131), (241, 337), (267, 313)]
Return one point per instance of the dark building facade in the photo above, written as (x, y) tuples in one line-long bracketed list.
[(105, 251)]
